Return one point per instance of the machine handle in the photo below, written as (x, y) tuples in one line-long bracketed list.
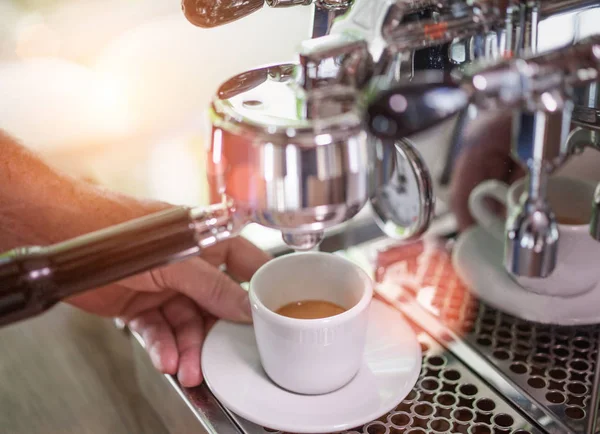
[(33, 279), (215, 13), (401, 165)]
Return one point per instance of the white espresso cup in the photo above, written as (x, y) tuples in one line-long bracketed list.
[(310, 356), (576, 268)]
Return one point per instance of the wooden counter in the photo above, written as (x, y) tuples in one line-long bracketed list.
[(70, 372)]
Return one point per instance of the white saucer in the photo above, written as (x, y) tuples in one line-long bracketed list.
[(232, 370), (477, 259)]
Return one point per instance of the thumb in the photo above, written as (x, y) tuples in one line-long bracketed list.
[(208, 287)]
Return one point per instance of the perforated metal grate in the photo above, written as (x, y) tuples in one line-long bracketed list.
[(553, 365), (447, 399)]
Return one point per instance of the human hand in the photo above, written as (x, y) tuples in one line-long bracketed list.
[(173, 307), (486, 155)]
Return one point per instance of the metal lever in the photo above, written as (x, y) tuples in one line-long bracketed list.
[(529, 83), (215, 13)]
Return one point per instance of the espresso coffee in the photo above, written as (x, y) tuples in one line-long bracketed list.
[(564, 220), (310, 309)]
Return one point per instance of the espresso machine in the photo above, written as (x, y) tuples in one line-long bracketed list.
[(288, 151), (302, 147)]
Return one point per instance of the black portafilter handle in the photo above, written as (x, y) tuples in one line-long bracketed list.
[(34, 279), (415, 106)]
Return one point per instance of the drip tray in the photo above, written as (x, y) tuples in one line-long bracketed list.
[(483, 371), (448, 398)]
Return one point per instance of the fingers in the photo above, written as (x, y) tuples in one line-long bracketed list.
[(158, 339), (244, 258), (208, 287), (173, 337), (188, 327), (241, 257)]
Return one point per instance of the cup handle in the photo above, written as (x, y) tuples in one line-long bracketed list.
[(485, 217)]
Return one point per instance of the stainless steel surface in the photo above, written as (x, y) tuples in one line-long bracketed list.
[(448, 398), (288, 145), (394, 208), (479, 365), (556, 7), (539, 89), (532, 239), (297, 165), (545, 371), (532, 236), (522, 20), (592, 422), (395, 30), (454, 20), (523, 81), (334, 59), (283, 110), (287, 3), (587, 104)]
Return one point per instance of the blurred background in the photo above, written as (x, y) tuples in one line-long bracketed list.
[(115, 91)]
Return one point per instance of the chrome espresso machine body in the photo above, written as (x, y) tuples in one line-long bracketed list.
[(288, 141), (292, 149)]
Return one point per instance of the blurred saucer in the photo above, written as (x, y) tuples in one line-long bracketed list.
[(232, 370), (477, 259)]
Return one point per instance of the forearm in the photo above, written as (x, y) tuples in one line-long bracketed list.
[(39, 205)]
